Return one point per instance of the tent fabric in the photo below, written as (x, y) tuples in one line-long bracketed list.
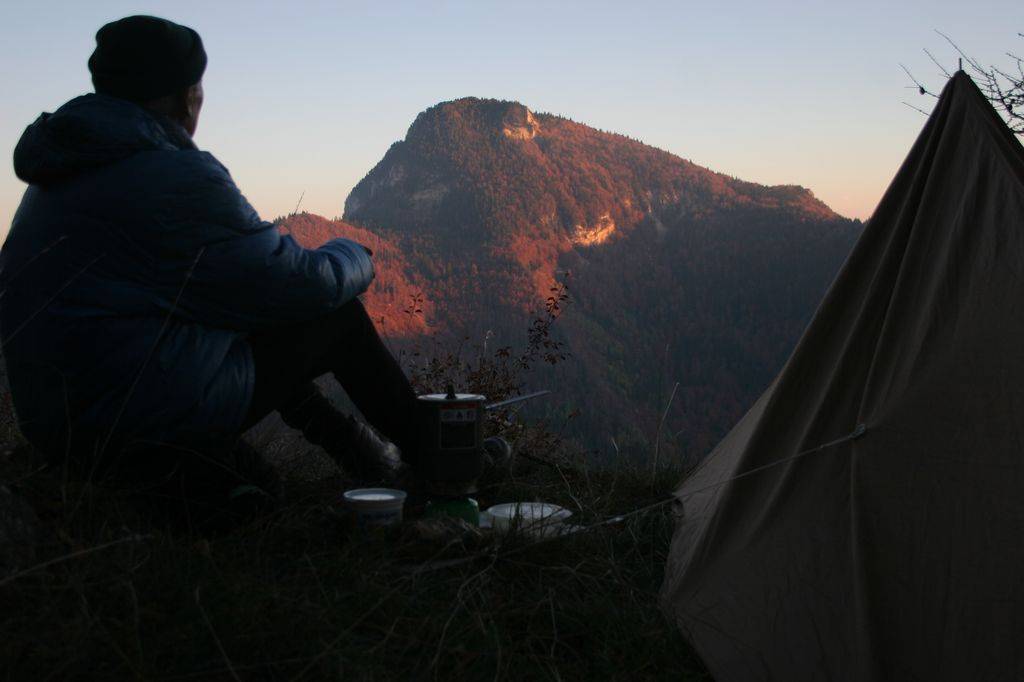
[(898, 554)]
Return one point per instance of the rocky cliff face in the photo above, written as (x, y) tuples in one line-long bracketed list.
[(678, 273)]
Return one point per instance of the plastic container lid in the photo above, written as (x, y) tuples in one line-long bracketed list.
[(374, 498), (443, 397), (529, 516)]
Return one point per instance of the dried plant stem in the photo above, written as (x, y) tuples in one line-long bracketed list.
[(216, 639), (68, 557), (657, 435)]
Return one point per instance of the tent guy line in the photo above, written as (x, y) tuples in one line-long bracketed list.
[(859, 431)]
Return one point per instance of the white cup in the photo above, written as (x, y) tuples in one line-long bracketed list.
[(375, 506)]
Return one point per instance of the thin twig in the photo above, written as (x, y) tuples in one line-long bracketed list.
[(920, 87), (401, 584), (970, 60), (459, 601), (24, 266), (344, 633), (917, 109), (68, 557), (216, 639), (935, 61), (657, 435), (50, 300), (152, 350)]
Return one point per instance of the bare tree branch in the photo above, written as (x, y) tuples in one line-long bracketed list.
[(1003, 88), (920, 87), (918, 109), (935, 61)]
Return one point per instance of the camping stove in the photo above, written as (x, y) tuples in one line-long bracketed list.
[(450, 427), (450, 430)]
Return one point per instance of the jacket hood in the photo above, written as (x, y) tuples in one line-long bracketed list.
[(88, 132)]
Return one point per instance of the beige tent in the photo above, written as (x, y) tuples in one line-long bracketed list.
[(896, 551)]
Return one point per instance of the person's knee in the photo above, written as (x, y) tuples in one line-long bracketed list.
[(352, 317), (354, 308)]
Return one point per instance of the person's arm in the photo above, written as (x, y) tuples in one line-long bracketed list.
[(246, 275)]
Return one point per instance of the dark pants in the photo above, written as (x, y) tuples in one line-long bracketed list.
[(202, 488), (345, 343)]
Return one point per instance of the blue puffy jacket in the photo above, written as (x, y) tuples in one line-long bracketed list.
[(132, 274)]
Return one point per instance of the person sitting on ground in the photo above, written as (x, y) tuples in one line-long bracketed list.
[(149, 316)]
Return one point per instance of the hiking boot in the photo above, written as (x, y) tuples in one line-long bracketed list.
[(356, 447), (255, 471), (368, 455)]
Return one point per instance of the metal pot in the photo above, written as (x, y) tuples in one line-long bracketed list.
[(450, 429)]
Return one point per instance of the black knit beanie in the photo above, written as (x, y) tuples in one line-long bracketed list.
[(142, 58)]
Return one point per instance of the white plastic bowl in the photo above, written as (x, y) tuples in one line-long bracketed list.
[(540, 518), (376, 506)]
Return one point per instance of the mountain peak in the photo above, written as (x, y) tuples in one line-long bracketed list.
[(508, 118), (489, 170)]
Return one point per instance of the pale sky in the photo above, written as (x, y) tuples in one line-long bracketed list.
[(308, 96)]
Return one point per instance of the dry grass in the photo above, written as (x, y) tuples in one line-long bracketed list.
[(301, 595)]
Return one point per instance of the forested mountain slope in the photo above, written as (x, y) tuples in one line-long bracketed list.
[(677, 273)]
